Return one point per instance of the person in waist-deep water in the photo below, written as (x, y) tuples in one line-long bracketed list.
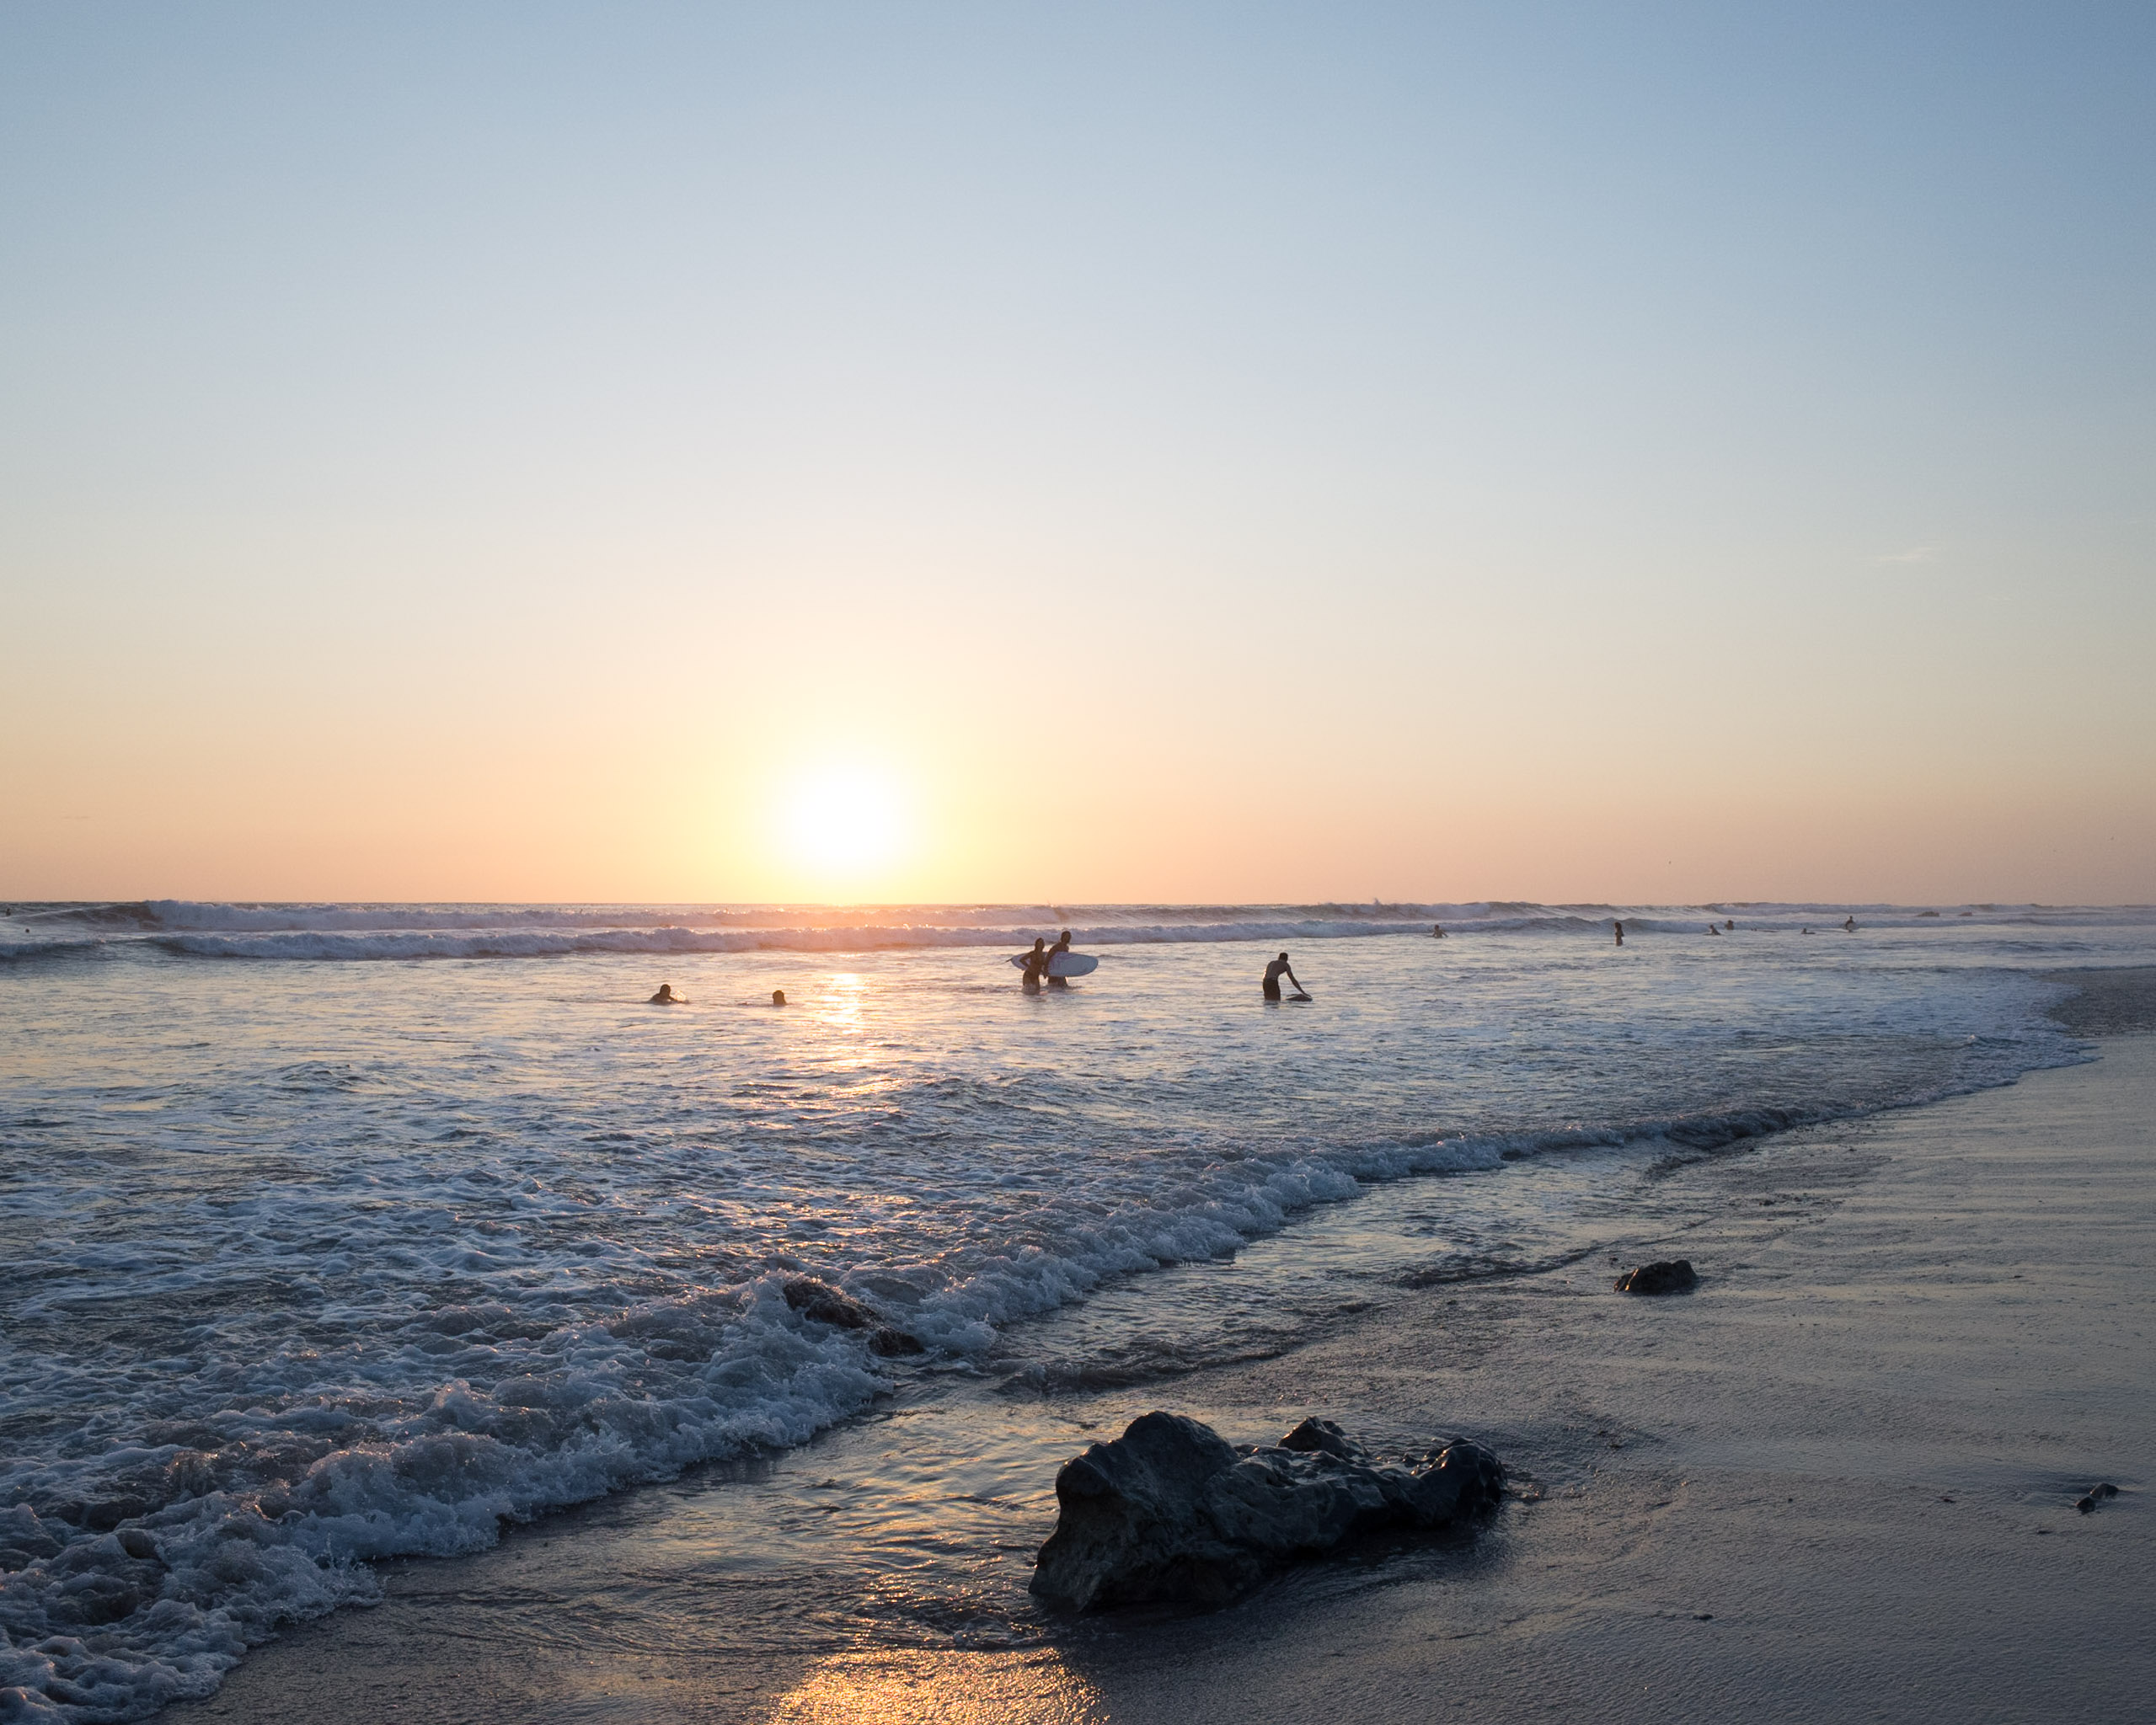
[(1850, 925), (1620, 933), (1036, 966), (1437, 931), (777, 996), (1273, 972), (1062, 945), (665, 997)]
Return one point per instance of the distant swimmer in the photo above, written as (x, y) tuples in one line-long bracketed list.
[(1807, 930), (777, 996), (1437, 930), (1712, 929), (1619, 927), (1850, 926), (1062, 945), (665, 997), (1273, 972), (1730, 926)]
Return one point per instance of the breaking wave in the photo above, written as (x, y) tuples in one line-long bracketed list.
[(188, 929)]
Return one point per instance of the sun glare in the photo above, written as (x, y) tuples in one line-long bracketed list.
[(845, 822)]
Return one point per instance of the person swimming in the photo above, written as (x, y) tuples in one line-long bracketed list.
[(777, 996), (1273, 972), (1062, 945), (1711, 929), (665, 997)]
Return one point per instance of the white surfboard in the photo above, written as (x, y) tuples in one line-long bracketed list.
[(1064, 963)]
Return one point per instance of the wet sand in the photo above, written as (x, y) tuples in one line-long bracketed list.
[(1838, 1482)]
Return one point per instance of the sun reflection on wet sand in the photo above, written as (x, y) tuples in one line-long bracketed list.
[(941, 1688)]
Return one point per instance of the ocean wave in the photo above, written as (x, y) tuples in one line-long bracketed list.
[(341, 933)]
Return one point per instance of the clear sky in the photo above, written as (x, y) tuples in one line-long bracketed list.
[(1016, 451)]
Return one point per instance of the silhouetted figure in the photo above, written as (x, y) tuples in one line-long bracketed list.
[(1728, 924), (1273, 972), (1036, 967), (1714, 931), (1437, 930), (777, 996), (1850, 926), (1619, 927), (1062, 945), (665, 997)]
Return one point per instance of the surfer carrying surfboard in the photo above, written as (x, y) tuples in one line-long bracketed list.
[(1273, 972), (1053, 965)]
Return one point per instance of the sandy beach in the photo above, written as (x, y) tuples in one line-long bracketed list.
[(1838, 1482)]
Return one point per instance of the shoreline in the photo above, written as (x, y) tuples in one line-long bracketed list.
[(1651, 1441)]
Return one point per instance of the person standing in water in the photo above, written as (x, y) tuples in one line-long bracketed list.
[(1035, 966), (1062, 945), (1850, 926), (665, 997), (1437, 931), (1273, 972), (1619, 926)]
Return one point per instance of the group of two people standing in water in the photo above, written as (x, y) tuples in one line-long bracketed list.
[(1038, 960)]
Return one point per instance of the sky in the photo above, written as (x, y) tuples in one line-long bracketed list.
[(635, 452)]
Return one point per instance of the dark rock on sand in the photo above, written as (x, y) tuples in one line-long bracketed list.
[(825, 1305), (2095, 1495), (1171, 1511), (1670, 1276)]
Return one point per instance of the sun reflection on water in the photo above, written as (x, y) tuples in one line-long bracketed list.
[(941, 1688), (839, 1005)]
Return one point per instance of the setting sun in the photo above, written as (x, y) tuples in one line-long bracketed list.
[(844, 821)]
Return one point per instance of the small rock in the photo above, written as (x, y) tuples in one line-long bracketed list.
[(826, 1304), (2085, 1505), (1670, 1276), (2103, 1491)]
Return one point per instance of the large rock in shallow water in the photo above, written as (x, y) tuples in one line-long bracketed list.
[(1170, 1510)]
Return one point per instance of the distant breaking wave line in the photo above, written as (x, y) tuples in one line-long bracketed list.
[(360, 932)]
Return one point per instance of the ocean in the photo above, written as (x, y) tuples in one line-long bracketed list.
[(343, 1233)]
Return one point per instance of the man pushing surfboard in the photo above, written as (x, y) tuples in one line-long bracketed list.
[(1273, 972)]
